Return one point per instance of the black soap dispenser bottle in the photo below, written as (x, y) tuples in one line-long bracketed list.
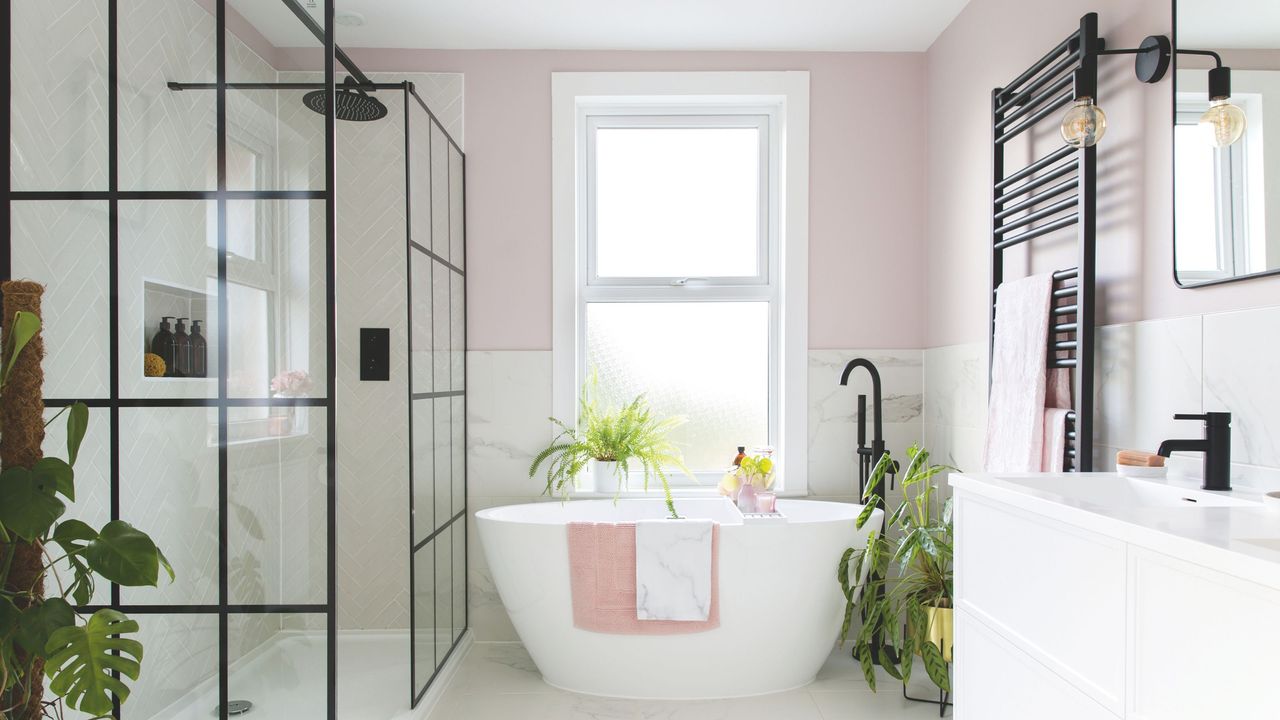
[(162, 344), (199, 352), (182, 350)]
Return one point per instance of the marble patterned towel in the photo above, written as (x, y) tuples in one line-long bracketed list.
[(673, 569), (602, 576)]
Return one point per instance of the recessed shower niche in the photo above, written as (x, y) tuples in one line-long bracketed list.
[(176, 330)]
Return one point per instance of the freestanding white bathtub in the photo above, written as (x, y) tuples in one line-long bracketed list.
[(780, 604)]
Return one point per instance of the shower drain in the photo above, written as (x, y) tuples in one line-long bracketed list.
[(236, 708)]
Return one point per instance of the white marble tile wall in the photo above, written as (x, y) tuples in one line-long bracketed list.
[(1146, 372), (509, 400), (955, 404)]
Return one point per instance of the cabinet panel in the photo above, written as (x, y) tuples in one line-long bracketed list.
[(1203, 643), (1056, 591), (999, 682)]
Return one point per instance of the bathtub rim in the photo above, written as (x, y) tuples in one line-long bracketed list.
[(847, 512)]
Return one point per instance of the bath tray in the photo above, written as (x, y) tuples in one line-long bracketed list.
[(773, 518)]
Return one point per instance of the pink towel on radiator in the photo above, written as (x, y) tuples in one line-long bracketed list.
[(602, 577), (1027, 417)]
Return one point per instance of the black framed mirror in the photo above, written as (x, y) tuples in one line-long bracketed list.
[(1226, 140)]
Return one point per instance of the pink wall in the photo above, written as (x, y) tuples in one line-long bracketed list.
[(989, 43), (867, 180)]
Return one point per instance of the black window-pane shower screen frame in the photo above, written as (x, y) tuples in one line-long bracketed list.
[(453, 272), (223, 610)]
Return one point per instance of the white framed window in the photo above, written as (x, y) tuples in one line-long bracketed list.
[(680, 257)]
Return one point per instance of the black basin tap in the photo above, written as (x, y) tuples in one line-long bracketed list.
[(1216, 446)]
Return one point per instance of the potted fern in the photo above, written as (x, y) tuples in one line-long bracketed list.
[(908, 615), (611, 443)]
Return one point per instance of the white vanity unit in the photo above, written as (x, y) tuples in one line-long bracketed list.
[(1092, 596)]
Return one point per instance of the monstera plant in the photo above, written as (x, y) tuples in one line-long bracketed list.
[(49, 564)]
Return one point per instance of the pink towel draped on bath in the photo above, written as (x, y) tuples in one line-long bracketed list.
[(602, 577), (1026, 419)]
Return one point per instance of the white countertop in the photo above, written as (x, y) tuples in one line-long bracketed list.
[(1241, 540)]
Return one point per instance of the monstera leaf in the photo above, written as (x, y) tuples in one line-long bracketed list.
[(39, 622), (81, 660), (124, 554), (28, 505)]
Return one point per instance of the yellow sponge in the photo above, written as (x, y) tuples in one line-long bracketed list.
[(153, 365)]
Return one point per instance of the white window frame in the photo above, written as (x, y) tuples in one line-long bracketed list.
[(775, 102)]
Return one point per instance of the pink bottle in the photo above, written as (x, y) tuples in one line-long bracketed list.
[(747, 498)]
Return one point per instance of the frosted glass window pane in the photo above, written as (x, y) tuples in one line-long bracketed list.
[(708, 362), (1196, 204), (677, 202)]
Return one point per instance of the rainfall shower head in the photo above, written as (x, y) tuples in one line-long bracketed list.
[(352, 103)]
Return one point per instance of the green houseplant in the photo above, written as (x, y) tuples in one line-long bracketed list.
[(909, 614), (628, 436), (86, 659)]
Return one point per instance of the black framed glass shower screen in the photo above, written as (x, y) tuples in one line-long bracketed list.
[(132, 200), (435, 262)]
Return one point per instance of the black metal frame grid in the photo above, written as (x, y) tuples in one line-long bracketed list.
[(454, 272), (221, 195), (1022, 211)]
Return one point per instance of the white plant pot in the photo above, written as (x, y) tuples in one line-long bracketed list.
[(604, 476)]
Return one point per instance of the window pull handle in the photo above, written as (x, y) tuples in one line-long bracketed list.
[(681, 282)]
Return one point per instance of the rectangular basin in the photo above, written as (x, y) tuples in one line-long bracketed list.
[(1114, 491)]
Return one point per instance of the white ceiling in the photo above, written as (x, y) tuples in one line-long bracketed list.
[(1228, 24), (848, 25)]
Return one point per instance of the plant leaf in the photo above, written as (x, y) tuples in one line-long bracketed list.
[(25, 326), (863, 653), (39, 622), (28, 506), (886, 661), (124, 554), (865, 515), (77, 424), (58, 473), (935, 666), (81, 660)]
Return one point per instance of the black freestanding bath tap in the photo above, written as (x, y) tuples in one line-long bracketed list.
[(1216, 447), (869, 456)]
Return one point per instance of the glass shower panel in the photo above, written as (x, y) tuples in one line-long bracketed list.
[(274, 142), (420, 175), (441, 326), (167, 268), (276, 510), (282, 673), (169, 488), (458, 450), (457, 332), (444, 461), (457, 209), (459, 530), (92, 475), (420, 358), (424, 616), (439, 192), (167, 139), (276, 301), (58, 101), (424, 469), (444, 594), (63, 244), (179, 679)]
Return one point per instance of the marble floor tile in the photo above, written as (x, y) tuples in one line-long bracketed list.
[(499, 681)]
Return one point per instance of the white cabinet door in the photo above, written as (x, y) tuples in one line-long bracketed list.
[(1054, 590), (996, 681), (1203, 644)]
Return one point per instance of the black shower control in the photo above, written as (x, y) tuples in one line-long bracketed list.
[(375, 353)]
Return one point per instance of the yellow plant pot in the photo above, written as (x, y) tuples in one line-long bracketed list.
[(941, 629)]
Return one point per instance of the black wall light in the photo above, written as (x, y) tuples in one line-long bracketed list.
[(1085, 123)]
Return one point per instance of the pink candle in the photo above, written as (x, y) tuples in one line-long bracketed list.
[(765, 502)]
